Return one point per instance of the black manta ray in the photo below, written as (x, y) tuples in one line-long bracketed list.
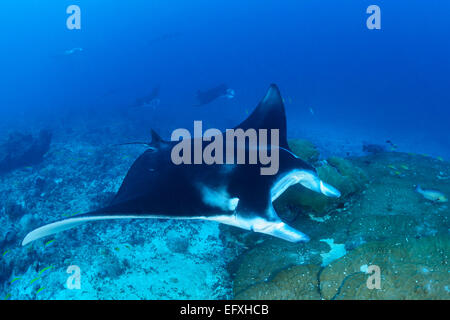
[(233, 194), (151, 98), (208, 96)]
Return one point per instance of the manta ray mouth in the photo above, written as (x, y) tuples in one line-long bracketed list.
[(306, 178)]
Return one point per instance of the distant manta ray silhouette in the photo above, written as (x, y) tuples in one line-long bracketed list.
[(208, 96), (149, 100), (237, 195)]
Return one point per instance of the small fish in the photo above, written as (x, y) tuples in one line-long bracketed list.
[(5, 253), (405, 167), (70, 214), (49, 242), (40, 289), (311, 110), (34, 280), (7, 296), (15, 279), (432, 195), (45, 269), (72, 51), (440, 158)]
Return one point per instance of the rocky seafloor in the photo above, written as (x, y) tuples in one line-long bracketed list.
[(379, 220), (124, 259)]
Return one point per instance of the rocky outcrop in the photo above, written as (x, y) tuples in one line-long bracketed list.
[(380, 220), (22, 150)]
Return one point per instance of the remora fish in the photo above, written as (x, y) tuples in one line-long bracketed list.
[(432, 195)]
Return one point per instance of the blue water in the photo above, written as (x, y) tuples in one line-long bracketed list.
[(393, 80), (343, 84)]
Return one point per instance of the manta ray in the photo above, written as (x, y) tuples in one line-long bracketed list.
[(208, 96), (233, 194), (150, 99)]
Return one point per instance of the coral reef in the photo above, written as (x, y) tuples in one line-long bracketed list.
[(409, 269), (304, 149), (294, 283), (378, 211), (269, 257), (163, 259)]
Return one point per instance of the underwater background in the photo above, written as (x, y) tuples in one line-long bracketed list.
[(368, 108)]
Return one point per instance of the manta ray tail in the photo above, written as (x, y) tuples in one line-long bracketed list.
[(69, 223), (49, 229)]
